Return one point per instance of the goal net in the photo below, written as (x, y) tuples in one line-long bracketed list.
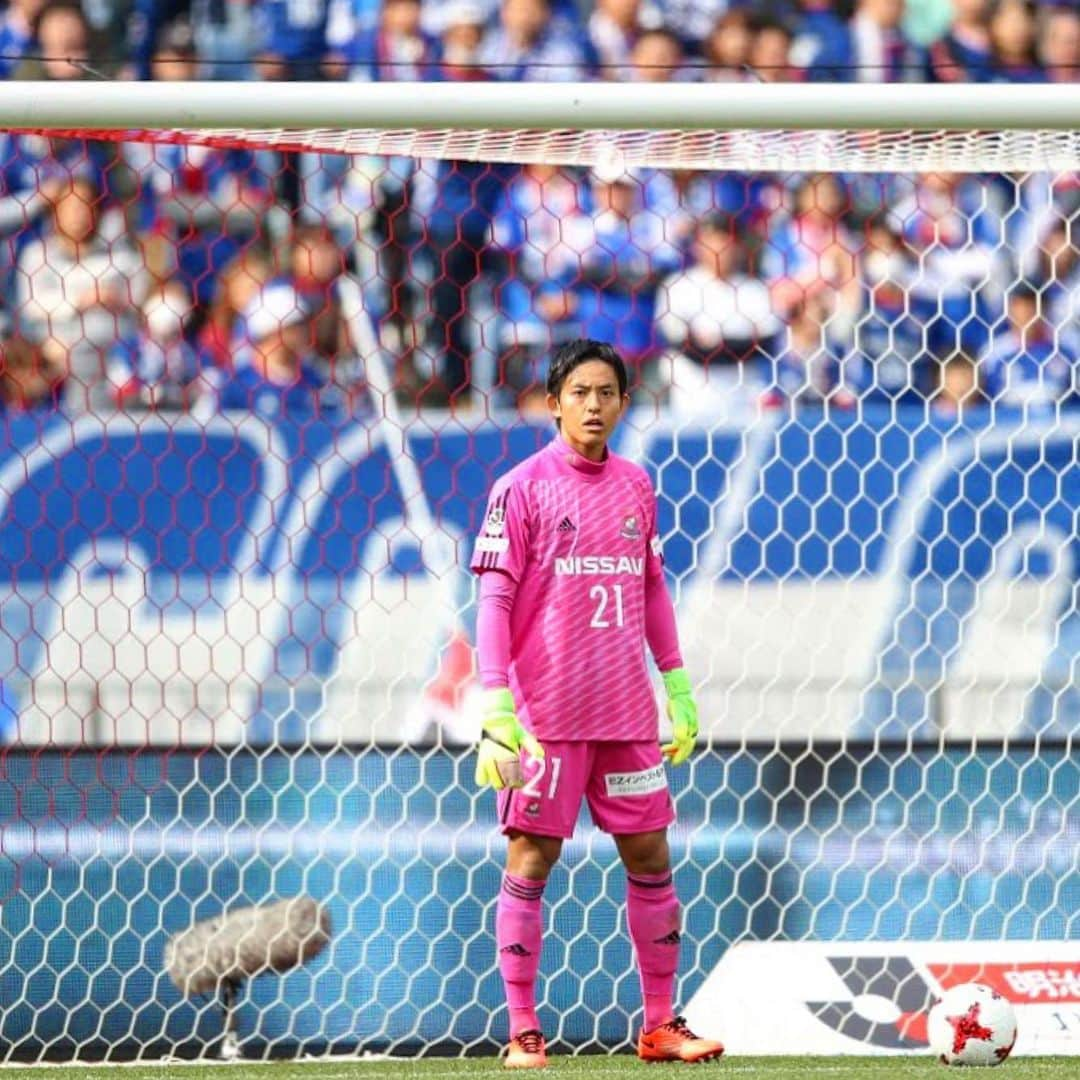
[(265, 349)]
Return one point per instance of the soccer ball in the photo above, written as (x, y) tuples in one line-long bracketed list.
[(972, 1025)]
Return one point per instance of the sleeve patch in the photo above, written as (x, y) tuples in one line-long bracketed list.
[(496, 521), (491, 543)]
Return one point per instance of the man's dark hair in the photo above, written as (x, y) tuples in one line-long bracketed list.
[(1022, 290), (770, 22), (722, 221), (67, 7), (580, 351)]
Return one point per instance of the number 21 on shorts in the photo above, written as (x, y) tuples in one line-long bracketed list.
[(532, 786)]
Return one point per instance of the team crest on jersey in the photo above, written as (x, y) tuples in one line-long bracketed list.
[(496, 521), (630, 530)]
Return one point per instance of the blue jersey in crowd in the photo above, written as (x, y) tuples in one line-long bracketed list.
[(955, 60), (310, 393), (833, 50), (541, 230), (295, 30), (375, 56), (623, 264), (14, 42), (560, 54), (463, 200), (1034, 373)]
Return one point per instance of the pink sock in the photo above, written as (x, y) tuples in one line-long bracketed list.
[(653, 915), (518, 926)]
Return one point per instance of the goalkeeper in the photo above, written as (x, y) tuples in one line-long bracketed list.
[(571, 589)]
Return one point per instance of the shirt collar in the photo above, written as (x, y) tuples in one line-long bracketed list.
[(580, 464)]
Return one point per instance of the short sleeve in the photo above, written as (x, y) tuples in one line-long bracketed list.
[(503, 543)]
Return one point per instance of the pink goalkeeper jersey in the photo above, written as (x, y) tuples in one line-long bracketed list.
[(579, 539)]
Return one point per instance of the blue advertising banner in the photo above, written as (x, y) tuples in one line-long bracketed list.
[(231, 580)]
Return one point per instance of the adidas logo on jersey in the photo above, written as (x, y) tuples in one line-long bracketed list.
[(566, 525)]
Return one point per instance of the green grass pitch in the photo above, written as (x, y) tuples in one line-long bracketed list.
[(747, 1068)]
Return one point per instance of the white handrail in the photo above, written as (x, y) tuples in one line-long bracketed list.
[(614, 106)]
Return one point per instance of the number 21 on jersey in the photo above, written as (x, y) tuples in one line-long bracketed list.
[(608, 606)]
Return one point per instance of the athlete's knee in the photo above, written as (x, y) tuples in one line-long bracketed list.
[(532, 856), (645, 853)]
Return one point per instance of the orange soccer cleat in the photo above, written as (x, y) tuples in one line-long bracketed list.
[(674, 1041), (526, 1051)]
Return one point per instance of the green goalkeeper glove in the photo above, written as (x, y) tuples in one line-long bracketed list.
[(682, 711), (498, 758)]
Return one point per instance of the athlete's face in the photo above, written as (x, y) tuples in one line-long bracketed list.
[(589, 406)]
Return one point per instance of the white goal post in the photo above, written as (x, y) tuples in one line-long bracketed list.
[(985, 128), (617, 106)]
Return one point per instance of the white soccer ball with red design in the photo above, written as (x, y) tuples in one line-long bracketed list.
[(972, 1025)]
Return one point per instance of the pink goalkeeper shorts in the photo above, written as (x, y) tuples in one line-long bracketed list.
[(623, 782)]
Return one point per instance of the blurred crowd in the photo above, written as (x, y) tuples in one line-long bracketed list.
[(163, 275)]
